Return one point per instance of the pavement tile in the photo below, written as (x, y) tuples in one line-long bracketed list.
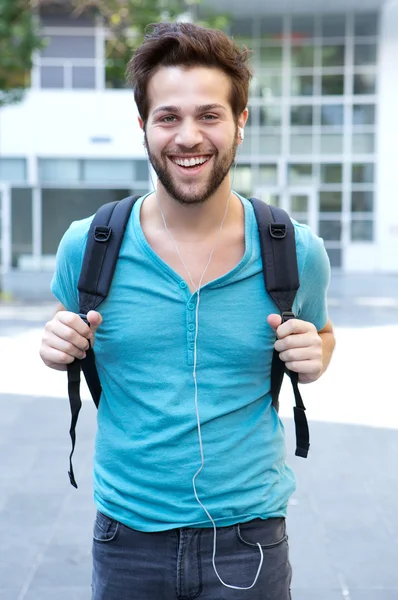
[(317, 594), (63, 564), (58, 593), (374, 594), (9, 594)]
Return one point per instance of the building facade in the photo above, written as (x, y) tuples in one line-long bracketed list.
[(320, 140)]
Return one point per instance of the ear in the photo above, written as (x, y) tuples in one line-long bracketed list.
[(241, 123), (243, 118), (141, 124)]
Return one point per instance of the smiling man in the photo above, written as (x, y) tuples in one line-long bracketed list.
[(190, 479)]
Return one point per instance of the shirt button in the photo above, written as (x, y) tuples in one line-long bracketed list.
[(183, 285), (191, 327), (192, 346), (191, 306)]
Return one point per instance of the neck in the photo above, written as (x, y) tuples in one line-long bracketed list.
[(198, 219)]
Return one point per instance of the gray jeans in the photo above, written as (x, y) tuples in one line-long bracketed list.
[(177, 564)]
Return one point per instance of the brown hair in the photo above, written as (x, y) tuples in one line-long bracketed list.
[(188, 45)]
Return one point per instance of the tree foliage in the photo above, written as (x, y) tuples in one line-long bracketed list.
[(19, 39)]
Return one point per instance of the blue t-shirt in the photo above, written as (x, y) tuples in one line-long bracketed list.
[(147, 444)]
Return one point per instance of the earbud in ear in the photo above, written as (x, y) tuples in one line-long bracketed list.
[(241, 133)]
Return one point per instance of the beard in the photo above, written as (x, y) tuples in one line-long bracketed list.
[(194, 193)]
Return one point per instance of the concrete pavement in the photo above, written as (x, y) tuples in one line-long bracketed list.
[(343, 519)]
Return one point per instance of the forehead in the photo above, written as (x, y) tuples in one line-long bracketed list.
[(188, 87)]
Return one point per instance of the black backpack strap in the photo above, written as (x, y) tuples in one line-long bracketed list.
[(102, 251), (281, 278)]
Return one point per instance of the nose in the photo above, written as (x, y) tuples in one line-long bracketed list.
[(189, 134)]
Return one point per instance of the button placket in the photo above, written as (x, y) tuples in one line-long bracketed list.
[(191, 330)]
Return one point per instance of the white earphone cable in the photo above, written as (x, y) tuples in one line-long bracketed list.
[(202, 456)]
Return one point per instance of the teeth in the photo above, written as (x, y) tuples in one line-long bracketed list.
[(190, 162)]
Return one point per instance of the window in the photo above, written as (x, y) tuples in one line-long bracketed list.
[(270, 115), (364, 83), (270, 57), (267, 85), (332, 85), (301, 144), (330, 201), (21, 224), (302, 85), (365, 54), (59, 170), (366, 24), (61, 206), (331, 143), (363, 143), (332, 115), (301, 115), (302, 57), (333, 26), (13, 169), (362, 173), (52, 77), (362, 201), (363, 114), (300, 174), (242, 180), (69, 46), (362, 230), (83, 78), (331, 173), (333, 56), (330, 231), (267, 175), (271, 27), (303, 26), (299, 203)]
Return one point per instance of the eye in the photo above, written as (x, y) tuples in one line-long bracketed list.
[(209, 117), (168, 119)]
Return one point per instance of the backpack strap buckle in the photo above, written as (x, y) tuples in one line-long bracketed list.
[(102, 233), (287, 315), (277, 230)]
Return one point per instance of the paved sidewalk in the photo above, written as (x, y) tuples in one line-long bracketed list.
[(343, 519)]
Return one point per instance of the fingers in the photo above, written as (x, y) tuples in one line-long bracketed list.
[(295, 326), (95, 320), (66, 337), (274, 320)]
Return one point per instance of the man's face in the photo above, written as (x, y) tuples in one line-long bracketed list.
[(191, 134)]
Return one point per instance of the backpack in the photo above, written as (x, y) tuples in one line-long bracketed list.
[(278, 252)]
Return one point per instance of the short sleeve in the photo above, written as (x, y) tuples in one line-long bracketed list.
[(68, 264), (314, 270)]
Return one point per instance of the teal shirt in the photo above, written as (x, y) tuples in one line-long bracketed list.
[(147, 444)]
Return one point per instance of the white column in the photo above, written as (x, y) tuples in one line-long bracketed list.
[(5, 223), (387, 151)]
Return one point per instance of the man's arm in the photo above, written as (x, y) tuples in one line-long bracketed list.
[(328, 344)]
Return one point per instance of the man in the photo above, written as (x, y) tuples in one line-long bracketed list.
[(190, 479)]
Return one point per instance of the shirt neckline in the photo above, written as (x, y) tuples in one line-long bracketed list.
[(160, 263)]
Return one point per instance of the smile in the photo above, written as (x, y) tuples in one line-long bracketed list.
[(191, 162)]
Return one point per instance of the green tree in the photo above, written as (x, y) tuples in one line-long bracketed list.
[(19, 39)]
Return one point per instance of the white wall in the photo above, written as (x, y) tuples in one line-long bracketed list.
[(387, 168), (62, 123)]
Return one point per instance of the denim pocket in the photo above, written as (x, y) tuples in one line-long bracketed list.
[(269, 533), (105, 528)]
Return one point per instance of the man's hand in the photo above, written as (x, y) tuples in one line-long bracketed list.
[(302, 348), (66, 337)]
